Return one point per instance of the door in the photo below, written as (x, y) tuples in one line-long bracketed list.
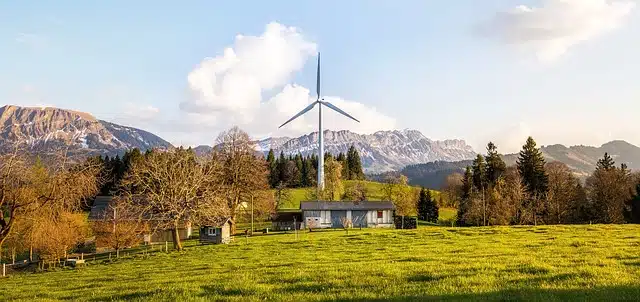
[(336, 218), (359, 219)]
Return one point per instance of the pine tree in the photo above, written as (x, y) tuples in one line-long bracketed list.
[(480, 182), (355, 165), (606, 163), (342, 159), (434, 211), (465, 201), (271, 162), (530, 165), (282, 169), (495, 165), (423, 204)]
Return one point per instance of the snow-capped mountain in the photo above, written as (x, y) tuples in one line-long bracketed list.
[(380, 151), (50, 129)]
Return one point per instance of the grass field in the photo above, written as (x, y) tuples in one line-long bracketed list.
[(589, 262)]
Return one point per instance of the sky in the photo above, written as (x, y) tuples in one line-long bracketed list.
[(563, 71)]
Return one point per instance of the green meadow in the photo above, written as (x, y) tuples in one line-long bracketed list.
[(546, 263)]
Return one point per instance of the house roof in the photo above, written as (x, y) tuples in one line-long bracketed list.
[(346, 205), (218, 222), (100, 205)]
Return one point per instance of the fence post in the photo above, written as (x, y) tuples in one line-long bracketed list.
[(4, 269), (81, 256), (166, 246), (109, 256)]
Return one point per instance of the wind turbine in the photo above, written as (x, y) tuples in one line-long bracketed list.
[(319, 101)]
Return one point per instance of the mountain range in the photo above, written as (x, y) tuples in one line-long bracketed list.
[(379, 152), (423, 160), (44, 130)]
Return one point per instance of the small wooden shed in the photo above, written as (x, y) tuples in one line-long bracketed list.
[(216, 233)]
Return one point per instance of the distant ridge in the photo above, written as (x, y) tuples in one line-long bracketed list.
[(49, 129), (580, 159)]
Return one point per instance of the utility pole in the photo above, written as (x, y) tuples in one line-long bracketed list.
[(251, 214)]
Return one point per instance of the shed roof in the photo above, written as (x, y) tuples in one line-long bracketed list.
[(346, 205), (100, 205)]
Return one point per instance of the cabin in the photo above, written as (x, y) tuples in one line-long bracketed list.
[(100, 209), (340, 214), (216, 233)]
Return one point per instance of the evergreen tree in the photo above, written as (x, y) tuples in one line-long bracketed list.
[(480, 182), (271, 163), (606, 163), (310, 170), (465, 200), (479, 168), (355, 165), (530, 165), (423, 204), (282, 169), (495, 165), (434, 211)]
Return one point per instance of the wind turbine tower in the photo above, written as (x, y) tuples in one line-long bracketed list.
[(319, 101)]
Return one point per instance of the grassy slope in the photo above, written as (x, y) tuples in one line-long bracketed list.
[(599, 262), (374, 192)]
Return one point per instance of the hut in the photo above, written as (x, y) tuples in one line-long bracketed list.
[(216, 233), (339, 214)]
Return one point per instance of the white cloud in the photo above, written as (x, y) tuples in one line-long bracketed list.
[(229, 90), (550, 29)]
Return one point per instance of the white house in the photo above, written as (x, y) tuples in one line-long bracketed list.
[(334, 214)]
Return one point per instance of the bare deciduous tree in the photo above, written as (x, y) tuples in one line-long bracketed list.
[(171, 189), (346, 223), (121, 226), (28, 188), (243, 172)]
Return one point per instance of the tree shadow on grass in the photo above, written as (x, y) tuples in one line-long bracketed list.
[(131, 296), (219, 290), (616, 293)]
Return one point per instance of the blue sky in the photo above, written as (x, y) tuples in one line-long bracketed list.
[(564, 71)]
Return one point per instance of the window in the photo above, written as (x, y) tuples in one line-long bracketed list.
[(212, 231), (379, 214), (313, 214)]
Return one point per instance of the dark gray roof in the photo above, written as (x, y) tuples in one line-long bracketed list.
[(100, 204), (346, 205)]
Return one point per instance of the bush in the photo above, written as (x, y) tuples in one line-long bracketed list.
[(405, 222)]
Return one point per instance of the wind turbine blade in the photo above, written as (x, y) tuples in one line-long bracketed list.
[(318, 78), (339, 110), (300, 113)]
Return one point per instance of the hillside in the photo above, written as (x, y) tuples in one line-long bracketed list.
[(581, 159), (549, 263), (45, 130)]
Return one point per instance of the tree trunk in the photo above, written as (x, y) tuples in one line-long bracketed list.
[(233, 223), (176, 239), (30, 253)]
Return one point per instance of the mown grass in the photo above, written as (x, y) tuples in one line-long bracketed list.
[(549, 263)]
